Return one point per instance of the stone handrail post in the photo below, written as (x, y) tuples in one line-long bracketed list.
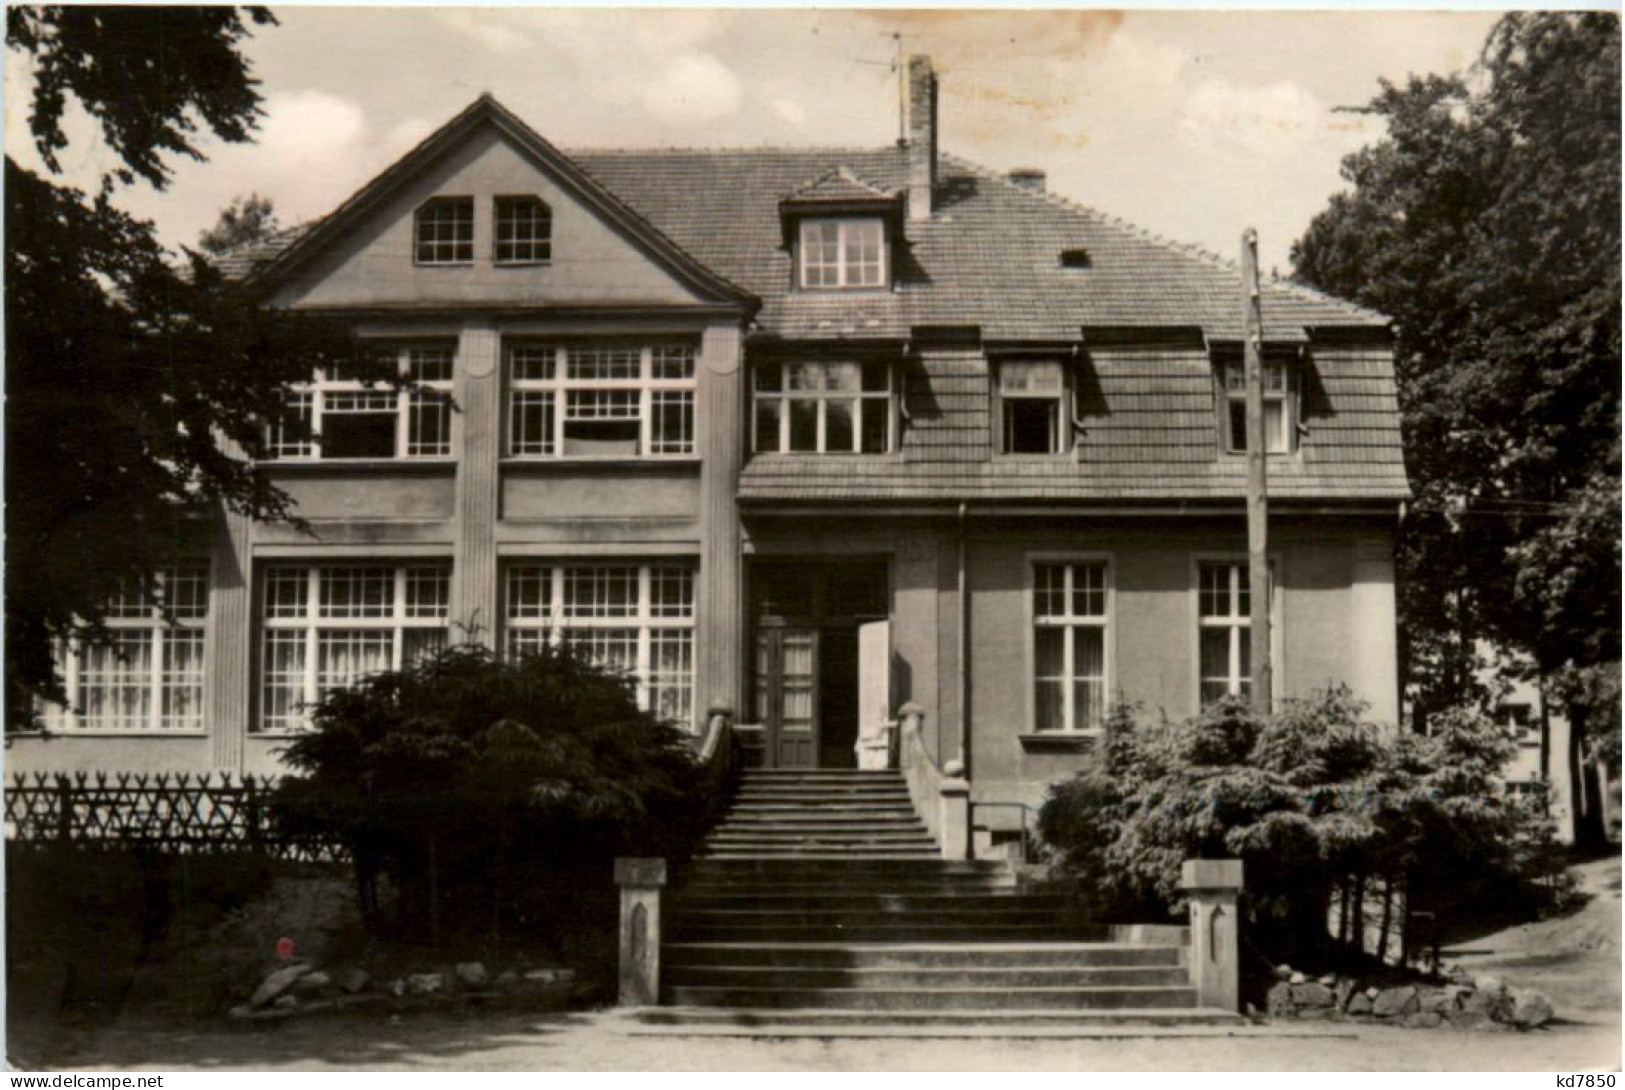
[(1211, 885), (640, 881), (941, 796), (954, 801)]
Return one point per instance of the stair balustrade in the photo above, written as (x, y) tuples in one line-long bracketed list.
[(941, 795)]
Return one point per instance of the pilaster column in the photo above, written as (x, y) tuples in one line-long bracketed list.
[(479, 401), (229, 661), (1374, 629), (720, 423)]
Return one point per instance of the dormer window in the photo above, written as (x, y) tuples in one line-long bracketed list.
[(1033, 414), (1279, 408), (523, 231), (445, 232), (843, 253)]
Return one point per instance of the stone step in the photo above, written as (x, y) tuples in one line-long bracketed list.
[(834, 818), (823, 830), (775, 899), (906, 930), (721, 1021), (923, 955), (832, 797), (946, 887), (822, 843), (896, 852), (913, 999), (759, 976), (776, 775), (775, 870), (1013, 910)]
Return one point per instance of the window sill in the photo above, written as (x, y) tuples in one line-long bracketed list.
[(1071, 741), (50, 733), (521, 264), (802, 455), (576, 461), (339, 465)]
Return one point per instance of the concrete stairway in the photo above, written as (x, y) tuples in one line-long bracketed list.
[(821, 904)]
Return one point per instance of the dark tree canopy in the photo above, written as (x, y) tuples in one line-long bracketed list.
[(1487, 225), (138, 388), (148, 75), (244, 220)]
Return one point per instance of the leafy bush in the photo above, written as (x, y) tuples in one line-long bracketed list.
[(1313, 799), (468, 783)]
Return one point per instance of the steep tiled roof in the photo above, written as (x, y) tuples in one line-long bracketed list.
[(839, 186)]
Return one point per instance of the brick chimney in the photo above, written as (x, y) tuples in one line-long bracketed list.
[(922, 136)]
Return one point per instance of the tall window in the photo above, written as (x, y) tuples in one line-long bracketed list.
[(1224, 607), (835, 407), (324, 628), (1070, 616), (605, 399), (638, 619), (343, 417), (848, 253), (1278, 408), (522, 231), (445, 231), (149, 676), (1032, 407)]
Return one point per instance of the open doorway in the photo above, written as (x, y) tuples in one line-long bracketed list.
[(805, 615)]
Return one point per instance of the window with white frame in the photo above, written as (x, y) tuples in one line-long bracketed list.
[(339, 416), (635, 618), (843, 253), (522, 231), (604, 399), (824, 406), (1071, 613), (1279, 414), (324, 627), (148, 675), (444, 231), (1033, 416), (1224, 629)]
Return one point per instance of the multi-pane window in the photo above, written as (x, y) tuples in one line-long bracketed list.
[(340, 416), (835, 407), (1070, 616), (1032, 399), (635, 618), (1278, 414), (843, 253), (149, 675), (522, 231), (606, 399), (444, 231), (1224, 625), (323, 628)]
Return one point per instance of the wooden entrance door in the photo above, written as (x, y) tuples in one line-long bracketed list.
[(787, 695)]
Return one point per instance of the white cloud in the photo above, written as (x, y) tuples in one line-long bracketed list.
[(495, 30), (1273, 118), (693, 89), (789, 110)]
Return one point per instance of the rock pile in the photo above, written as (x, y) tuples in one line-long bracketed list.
[(1463, 1001), (297, 987)]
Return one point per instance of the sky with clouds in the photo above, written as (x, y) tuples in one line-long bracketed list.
[(1193, 125)]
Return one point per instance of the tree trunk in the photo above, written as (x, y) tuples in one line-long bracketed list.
[(1387, 919), (1357, 920), (434, 889)]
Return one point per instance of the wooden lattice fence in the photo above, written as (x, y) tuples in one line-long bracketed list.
[(171, 812)]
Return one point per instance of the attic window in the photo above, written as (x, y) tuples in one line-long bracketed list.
[(1280, 407), (523, 231), (843, 253), (1032, 396), (445, 232), (1076, 259)]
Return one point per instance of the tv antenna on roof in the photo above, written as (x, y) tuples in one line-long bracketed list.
[(897, 67)]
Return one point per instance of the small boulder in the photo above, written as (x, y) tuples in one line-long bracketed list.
[(507, 979), (354, 981), (1315, 1014), (397, 987), (1372, 993), (1328, 979), (425, 983), (1344, 993), (1435, 999), (1530, 1009), (1360, 1003), (1278, 1001), (472, 974), (550, 976), (1298, 978), (1423, 1019), (1283, 971), (1313, 995), (1468, 1020), (314, 983), (1494, 1005), (284, 1003), (1460, 977), (276, 982), (1394, 1002), (1493, 985)]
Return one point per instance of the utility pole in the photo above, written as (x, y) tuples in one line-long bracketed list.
[(1258, 563)]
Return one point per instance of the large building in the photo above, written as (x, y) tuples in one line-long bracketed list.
[(805, 433)]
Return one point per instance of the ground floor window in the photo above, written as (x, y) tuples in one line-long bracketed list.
[(635, 618), (324, 627), (1070, 616), (148, 675), (1224, 630)]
